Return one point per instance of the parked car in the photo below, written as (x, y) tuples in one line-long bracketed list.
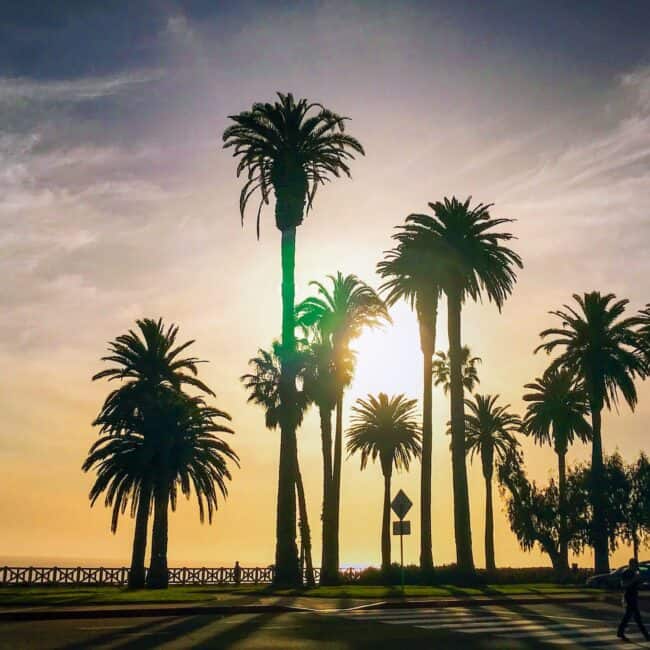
[(612, 580)]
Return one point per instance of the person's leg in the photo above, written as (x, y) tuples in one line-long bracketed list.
[(625, 620), (639, 622)]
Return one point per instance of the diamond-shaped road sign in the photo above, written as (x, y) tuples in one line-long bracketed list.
[(401, 504)]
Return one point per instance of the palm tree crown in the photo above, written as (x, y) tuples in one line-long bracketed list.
[(597, 346), (292, 147), (385, 427), (442, 375), (557, 408)]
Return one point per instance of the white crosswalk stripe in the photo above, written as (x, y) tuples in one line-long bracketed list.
[(501, 622)]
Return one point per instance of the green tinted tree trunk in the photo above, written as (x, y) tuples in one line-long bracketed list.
[(462, 527), (599, 524), (287, 570), (137, 572), (335, 491), (158, 577), (564, 542), (305, 533), (490, 563), (328, 572), (385, 527), (427, 310)]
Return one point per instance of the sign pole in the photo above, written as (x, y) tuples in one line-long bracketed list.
[(401, 553), (400, 505)]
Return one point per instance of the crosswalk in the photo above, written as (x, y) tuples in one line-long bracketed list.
[(566, 631)]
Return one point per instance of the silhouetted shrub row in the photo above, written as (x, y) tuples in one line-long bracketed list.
[(451, 575)]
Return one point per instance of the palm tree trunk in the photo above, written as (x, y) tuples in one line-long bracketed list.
[(462, 526), (305, 533), (137, 572), (490, 563), (427, 318), (287, 571), (564, 542), (385, 528), (599, 524), (335, 492), (328, 571), (635, 544), (158, 577)]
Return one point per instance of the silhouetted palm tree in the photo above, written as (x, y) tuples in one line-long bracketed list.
[(386, 428), (144, 361), (188, 455), (410, 271), (473, 261), (263, 385), (643, 336), (441, 371), (556, 412), (490, 432), (320, 387), (341, 314), (599, 348), (291, 148)]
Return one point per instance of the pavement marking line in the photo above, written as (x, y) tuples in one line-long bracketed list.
[(553, 629)]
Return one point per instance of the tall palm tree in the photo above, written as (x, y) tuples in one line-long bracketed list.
[(341, 314), (291, 148), (490, 432), (410, 273), (263, 385), (386, 428), (188, 454), (320, 388), (599, 347), (441, 370), (473, 262), (556, 412), (144, 360)]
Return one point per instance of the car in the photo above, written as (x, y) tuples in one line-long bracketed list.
[(612, 580)]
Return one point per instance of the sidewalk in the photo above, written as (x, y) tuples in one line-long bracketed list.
[(278, 604)]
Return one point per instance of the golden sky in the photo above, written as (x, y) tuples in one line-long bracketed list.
[(117, 202)]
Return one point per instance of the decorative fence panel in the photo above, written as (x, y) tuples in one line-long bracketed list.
[(119, 576)]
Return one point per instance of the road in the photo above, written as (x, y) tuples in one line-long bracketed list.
[(488, 627)]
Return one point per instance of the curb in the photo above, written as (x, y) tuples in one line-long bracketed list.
[(225, 610)]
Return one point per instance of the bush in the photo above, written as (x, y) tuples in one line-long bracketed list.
[(450, 575)]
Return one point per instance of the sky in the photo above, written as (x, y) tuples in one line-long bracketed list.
[(118, 202)]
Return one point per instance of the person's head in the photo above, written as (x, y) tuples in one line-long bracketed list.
[(633, 563)]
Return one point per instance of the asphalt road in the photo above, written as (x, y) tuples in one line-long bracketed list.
[(488, 627)]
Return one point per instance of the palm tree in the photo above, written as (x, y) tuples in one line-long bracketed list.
[(188, 454), (490, 432), (123, 465), (472, 262), (263, 385), (556, 412), (291, 148), (386, 428), (341, 314), (599, 348), (410, 273), (144, 361), (643, 336), (468, 363)]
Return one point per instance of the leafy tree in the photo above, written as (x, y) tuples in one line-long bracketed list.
[(557, 408), (263, 385), (410, 272), (385, 427), (533, 511), (441, 370), (598, 346), (289, 148), (340, 313), (473, 262), (635, 528), (144, 361), (490, 435)]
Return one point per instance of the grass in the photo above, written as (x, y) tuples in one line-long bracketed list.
[(227, 594)]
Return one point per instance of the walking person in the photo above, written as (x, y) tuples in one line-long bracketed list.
[(630, 580)]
